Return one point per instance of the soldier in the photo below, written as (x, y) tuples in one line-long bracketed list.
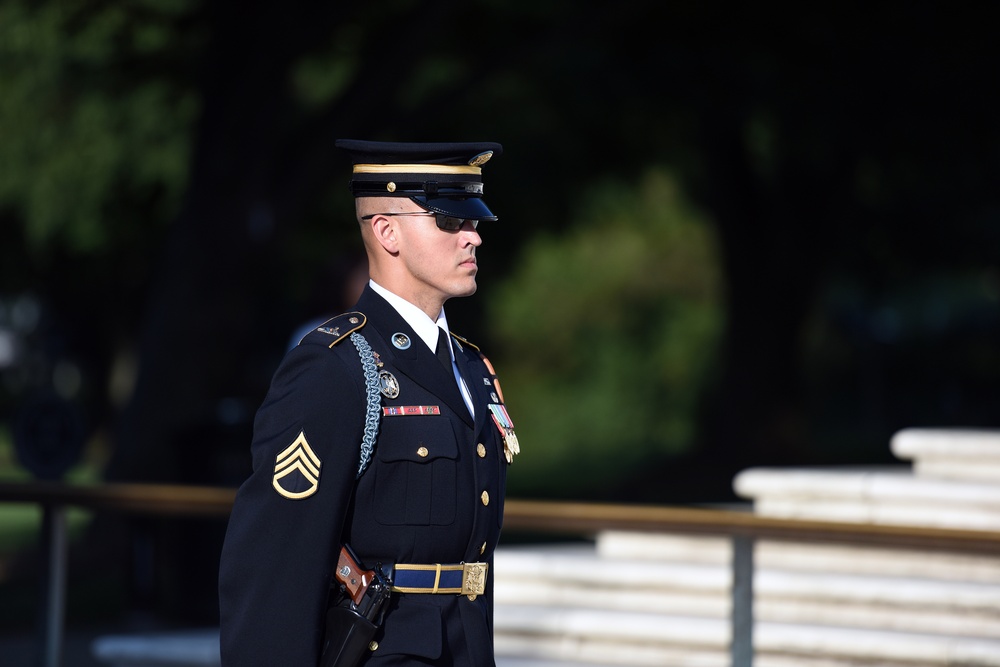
[(381, 432)]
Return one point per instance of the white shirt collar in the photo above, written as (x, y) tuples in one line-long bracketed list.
[(422, 325)]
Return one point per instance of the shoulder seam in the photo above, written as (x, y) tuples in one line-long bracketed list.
[(465, 341), (341, 326)]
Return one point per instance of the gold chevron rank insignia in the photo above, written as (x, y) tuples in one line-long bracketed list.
[(296, 470)]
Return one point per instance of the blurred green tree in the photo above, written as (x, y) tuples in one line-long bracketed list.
[(607, 337), (97, 112), (98, 106)]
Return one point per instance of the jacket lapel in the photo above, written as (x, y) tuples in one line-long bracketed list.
[(416, 362)]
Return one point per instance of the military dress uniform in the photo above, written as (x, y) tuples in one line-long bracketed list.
[(431, 492)]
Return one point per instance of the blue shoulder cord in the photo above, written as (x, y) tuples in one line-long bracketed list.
[(372, 391)]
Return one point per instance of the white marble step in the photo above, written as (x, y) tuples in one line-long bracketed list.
[(796, 556), (600, 652), (955, 454), (641, 639), (887, 497), (863, 645), (631, 627), (826, 559), (879, 513), (580, 564), (574, 577), (540, 593), (959, 623), (969, 454), (885, 484), (873, 615)]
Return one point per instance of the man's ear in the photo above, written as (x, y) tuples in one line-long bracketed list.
[(384, 230)]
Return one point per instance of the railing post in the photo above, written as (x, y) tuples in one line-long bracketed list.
[(54, 584), (742, 642)]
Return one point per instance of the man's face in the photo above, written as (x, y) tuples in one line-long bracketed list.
[(441, 262)]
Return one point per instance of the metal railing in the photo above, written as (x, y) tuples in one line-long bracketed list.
[(566, 518)]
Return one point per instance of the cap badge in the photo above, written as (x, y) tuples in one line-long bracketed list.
[(481, 159), (401, 341), (296, 470), (388, 384)]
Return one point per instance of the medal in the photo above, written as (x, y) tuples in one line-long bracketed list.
[(511, 447)]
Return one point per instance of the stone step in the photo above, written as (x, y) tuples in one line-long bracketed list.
[(834, 613), (648, 639), (885, 514), (599, 652), (865, 646), (883, 484), (798, 556), (581, 565), (579, 576), (878, 590), (866, 496), (862, 560), (958, 454), (959, 623)]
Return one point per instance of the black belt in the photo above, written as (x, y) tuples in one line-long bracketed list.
[(435, 578)]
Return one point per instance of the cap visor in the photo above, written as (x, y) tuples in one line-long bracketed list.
[(470, 208)]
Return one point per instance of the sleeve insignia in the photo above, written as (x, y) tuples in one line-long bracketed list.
[(296, 470)]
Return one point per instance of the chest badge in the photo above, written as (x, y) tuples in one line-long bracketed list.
[(400, 340), (388, 384)]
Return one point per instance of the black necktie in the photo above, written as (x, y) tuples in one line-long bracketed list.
[(443, 352)]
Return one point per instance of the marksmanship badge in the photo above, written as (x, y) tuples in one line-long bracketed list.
[(388, 384)]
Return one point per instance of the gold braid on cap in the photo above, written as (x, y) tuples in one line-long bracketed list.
[(416, 169)]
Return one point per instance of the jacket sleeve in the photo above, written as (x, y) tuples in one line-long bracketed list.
[(285, 528)]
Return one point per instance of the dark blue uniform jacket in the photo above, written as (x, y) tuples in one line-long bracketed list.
[(431, 494)]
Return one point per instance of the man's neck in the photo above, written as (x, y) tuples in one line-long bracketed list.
[(430, 307), (424, 325)]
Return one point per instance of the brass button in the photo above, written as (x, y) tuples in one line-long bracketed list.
[(373, 646), (481, 450), (422, 452), (353, 320), (485, 498), (482, 549)]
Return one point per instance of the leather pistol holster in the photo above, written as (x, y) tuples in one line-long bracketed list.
[(356, 609)]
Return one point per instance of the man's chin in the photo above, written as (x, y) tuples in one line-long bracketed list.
[(468, 290)]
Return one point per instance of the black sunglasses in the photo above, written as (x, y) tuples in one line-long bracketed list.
[(448, 222)]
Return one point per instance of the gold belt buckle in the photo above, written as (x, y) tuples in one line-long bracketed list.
[(474, 578)]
